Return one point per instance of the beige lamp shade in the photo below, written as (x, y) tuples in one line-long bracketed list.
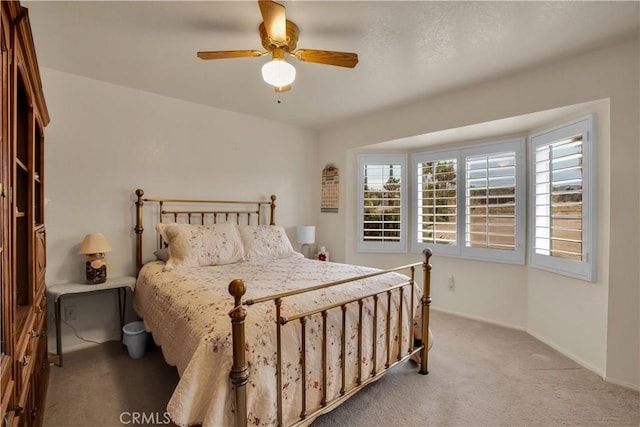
[(94, 244)]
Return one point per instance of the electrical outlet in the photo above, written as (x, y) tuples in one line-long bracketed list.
[(452, 284), (70, 313)]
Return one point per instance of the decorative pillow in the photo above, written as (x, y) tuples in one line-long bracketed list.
[(200, 245), (162, 254), (265, 242)]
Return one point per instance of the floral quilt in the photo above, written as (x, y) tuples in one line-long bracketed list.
[(187, 311)]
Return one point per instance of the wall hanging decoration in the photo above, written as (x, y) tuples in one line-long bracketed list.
[(330, 192)]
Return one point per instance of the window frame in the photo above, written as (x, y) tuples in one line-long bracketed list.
[(383, 247), (525, 212), (586, 268), (517, 255), (516, 145), (433, 156)]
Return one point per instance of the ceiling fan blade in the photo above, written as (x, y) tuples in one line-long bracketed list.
[(224, 54), (341, 59), (275, 21)]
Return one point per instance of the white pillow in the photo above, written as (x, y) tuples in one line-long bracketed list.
[(265, 242), (201, 245)]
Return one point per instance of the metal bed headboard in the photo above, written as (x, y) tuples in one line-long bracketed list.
[(204, 212)]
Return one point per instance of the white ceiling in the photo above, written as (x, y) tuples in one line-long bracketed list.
[(407, 50)]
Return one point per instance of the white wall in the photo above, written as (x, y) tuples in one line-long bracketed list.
[(595, 323), (551, 293), (104, 141)]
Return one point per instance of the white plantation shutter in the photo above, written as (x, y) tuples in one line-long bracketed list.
[(470, 201), (490, 216), (382, 196), (494, 212), (436, 203), (562, 199), (559, 199)]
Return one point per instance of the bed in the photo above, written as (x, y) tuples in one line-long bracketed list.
[(259, 334)]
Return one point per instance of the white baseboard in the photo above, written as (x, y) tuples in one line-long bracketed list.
[(81, 343), (630, 386), (481, 319), (544, 340), (568, 354), (79, 346)]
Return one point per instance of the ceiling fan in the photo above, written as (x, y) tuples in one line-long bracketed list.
[(279, 37)]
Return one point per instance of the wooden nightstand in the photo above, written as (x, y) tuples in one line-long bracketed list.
[(56, 292)]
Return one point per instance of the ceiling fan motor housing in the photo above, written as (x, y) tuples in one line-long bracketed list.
[(290, 43)]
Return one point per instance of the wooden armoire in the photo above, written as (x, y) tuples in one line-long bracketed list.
[(24, 367)]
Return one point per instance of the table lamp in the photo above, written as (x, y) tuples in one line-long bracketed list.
[(306, 235), (94, 247)]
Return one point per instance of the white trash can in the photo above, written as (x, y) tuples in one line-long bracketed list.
[(135, 338)]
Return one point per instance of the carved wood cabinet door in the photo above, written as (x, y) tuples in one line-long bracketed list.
[(24, 366)]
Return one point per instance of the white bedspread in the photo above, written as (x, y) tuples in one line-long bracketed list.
[(187, 312)]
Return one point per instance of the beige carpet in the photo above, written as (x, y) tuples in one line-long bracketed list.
[(480, 375)]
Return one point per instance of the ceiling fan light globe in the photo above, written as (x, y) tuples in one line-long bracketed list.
[(278, 73)]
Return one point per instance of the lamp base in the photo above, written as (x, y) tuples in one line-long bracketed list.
[(308, 250), (96, 269)]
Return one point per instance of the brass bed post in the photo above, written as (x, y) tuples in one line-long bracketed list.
[(139, 229), (411, 307), (303, 367), (272, 221), (278, 304), (400, 323), (426, 302), (239, 371), (387, 332)]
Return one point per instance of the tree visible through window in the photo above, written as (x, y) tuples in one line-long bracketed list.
[(382, 202), (437, 202), (469, 201)]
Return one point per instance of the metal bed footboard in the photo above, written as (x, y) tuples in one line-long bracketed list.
[(240, 371)]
